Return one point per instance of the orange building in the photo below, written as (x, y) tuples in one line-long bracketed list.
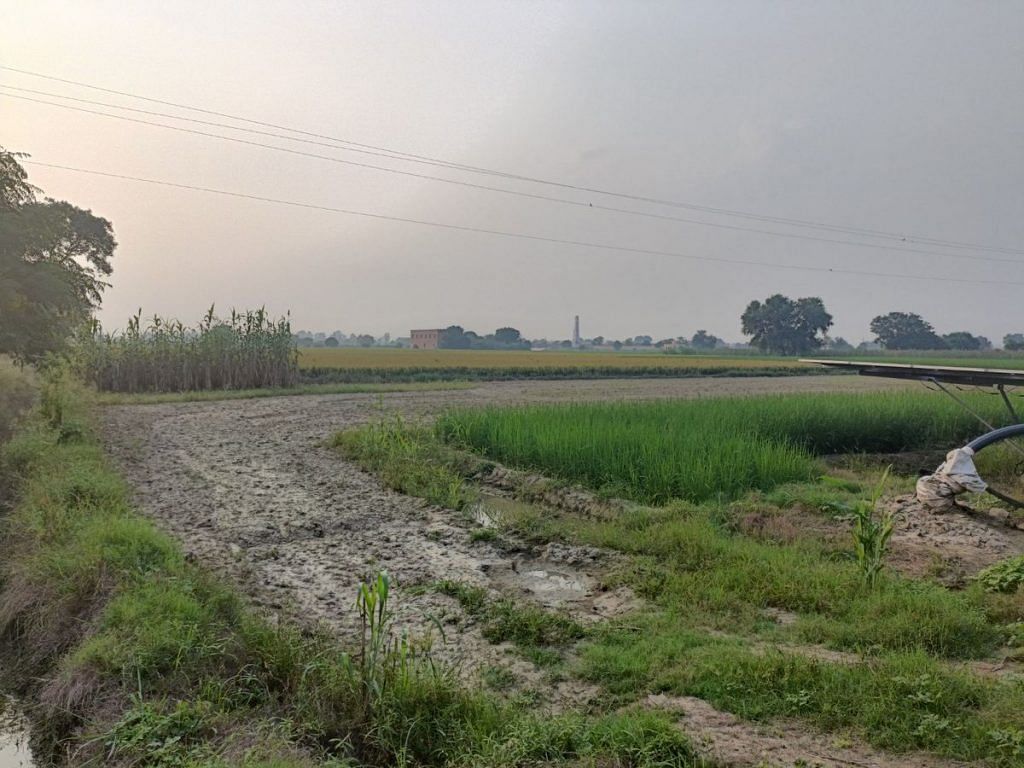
[(425, 339)]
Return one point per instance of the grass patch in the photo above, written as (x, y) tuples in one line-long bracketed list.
[(536, 632), (407, 461), (900, 701), (689, 563)]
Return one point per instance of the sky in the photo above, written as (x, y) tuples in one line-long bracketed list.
[(901, 117)]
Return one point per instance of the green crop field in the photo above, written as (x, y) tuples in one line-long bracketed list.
[(699, 449)]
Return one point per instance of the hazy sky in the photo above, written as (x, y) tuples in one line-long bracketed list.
[(895, 116)]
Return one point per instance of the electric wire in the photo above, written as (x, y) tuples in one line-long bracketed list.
[(795, 222), (471, 185), (523, 235)]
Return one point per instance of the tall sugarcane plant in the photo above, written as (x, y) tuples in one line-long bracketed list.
[(249, 350)]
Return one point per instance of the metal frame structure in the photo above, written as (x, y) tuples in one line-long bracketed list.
[(941, 375)]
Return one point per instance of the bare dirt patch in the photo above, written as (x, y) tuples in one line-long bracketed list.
[(952, 546)]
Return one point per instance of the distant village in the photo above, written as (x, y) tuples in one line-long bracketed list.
[(457, 337)]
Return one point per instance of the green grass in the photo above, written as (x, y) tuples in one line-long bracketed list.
[(406, 461), (705, 449), (897, 701), (135, 656), (534, 630), (146, 398), (699, 574)]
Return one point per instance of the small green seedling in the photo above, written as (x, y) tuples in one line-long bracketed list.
[(871, 534)]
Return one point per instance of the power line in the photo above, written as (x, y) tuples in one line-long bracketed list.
[(471, 185), (522, 235), (804, 223)]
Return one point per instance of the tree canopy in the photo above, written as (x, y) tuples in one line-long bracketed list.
[(1013, 342), (54, 257), (905, 330), (786, 327), (508, 336), (966, 341), (704, 340)]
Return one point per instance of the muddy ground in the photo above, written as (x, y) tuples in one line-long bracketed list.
[(252, 492)]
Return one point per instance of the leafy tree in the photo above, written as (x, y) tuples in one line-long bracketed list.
[(365, 340), (331, 341), (905, 330), (839, 344), (1013, 342), (508, 336), (454, 337), (786, 327), (53, 261), (966, 341), (704, 340)]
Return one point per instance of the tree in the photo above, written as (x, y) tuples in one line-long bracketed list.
[(786, 327), (453, 337), (508, 336), (365, 340), (1013, 342), (966, 341), (331, 341), (704, 340), (53, 261), (839, 344), (905, 330)]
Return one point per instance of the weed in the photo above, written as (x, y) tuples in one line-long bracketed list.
[(484, 534), (498, 678), (1005, 576), (537, 632), (871, 535)]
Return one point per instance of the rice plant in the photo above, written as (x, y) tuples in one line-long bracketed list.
[(249, 350), (704, 449)]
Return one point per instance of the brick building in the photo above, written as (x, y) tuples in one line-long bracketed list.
[(425, 339)]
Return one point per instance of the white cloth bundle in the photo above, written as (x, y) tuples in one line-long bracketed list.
[(956, 475)]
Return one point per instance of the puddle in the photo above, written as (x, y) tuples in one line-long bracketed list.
[(490, 510), (552, 585), (14, 751)]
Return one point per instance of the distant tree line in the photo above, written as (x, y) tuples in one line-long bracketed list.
[(783, 326), (456, 337), (777, 325)]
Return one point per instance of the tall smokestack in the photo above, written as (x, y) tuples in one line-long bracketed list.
[(576, 331)]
